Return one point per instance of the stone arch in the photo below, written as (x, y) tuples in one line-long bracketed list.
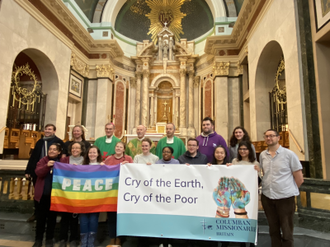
[(264, 83), (50, 80), (160, 78)]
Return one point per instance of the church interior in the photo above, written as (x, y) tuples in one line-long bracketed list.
[(259, 64)]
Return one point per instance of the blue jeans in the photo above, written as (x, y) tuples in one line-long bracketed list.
[(89, 222)]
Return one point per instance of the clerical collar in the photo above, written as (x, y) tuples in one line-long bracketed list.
[(170, 140), (141, 139), (108, 139)]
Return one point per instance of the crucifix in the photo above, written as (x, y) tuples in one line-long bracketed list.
[(165, 104)]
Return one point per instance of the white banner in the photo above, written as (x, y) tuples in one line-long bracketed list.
[(188, 202)]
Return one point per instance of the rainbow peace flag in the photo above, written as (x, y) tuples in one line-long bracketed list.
[(84, 188)]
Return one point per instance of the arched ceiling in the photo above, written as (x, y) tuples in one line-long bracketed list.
[(132, 22), (88, 7)]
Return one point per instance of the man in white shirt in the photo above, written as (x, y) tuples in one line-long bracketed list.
[(282, 178)]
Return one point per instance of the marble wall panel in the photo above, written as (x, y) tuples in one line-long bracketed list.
[(208, 102), (91, 107), (234, 104), (119, 108), (221, 114), (103, 105)]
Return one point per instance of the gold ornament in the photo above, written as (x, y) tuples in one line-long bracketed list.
[(165, 13), (22, 94)]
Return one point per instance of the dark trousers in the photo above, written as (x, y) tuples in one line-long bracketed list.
[(112, 224), (69, 220), (279, 213), (45, 216)]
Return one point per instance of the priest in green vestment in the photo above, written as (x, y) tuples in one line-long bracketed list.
[(170, 141), (107, 143), (134, 147)]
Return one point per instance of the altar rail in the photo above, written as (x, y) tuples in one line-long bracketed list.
[(314, 204), (16, 192)]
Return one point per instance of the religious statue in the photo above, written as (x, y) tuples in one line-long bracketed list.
[(171, 49), (165, 49)]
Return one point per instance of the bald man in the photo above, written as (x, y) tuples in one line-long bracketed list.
[(134, 147)]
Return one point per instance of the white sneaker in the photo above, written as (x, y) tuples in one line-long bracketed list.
[(161, 245)]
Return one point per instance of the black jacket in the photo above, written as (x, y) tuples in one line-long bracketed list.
[(38, 153), (199, 159)]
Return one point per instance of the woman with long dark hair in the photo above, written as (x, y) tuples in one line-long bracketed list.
[(239, 134)]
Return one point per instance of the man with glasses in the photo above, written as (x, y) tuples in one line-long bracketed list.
[(107, 143), (192, 156), (282, 177)]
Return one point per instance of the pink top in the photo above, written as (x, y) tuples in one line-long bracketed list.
[(112, 160)]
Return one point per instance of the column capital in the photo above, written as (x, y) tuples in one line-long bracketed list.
[(146, 73), (221, 69), (191, 73), (104, 70), (183, 72), (132, 81)]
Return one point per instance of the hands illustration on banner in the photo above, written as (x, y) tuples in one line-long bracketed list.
[(231, 192)]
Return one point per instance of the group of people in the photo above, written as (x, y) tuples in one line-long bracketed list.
[(280, 168)]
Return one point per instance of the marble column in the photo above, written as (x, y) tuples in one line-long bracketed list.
[(221, 107), (182, 98), (138, 99), (234, 103), (176, 111), (155, 109), (191, 129), (144, 103), (151, 113), (196, 104), (103, 105)]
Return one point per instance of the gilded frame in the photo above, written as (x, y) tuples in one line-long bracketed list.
[(75, 86)]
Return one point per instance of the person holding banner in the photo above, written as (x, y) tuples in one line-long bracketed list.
[(280, 184), (42, 194), (167, 157), (118, 158), (76, 151), (245, 156), (146, 157), (219, 156), (193, 156), (89, 222)]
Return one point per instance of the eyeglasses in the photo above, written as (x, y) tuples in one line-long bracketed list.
[(269, 136), (243, 149)]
